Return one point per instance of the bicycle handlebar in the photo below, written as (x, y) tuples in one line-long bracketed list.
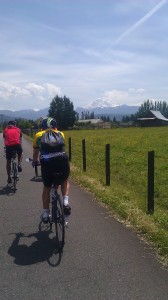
[(29, 159), (35, 166)]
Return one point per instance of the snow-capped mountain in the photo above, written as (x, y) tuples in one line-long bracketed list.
[(101, 103), (100, 107), (107, 107), (116, 111)]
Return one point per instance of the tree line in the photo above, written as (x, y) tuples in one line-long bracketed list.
[(144, 109), (62, 109)]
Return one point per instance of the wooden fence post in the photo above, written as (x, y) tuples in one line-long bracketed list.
[(84, 154), (70, 157), (150, 208), (108, 164)]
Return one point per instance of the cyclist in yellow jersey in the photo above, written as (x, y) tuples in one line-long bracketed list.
[(55, 166)]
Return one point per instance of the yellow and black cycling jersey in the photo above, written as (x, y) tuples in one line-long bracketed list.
[(38, 136)]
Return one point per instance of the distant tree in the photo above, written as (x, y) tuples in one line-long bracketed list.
[(24, 123), (148, 105), (92, 115), (105, 118), (132, 118), (62, 110), (125, 119), (77, 116), (86, 115)]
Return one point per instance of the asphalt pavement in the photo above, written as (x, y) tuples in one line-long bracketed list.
[(102, 258)]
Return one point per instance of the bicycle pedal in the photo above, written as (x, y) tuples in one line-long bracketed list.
[(66, 222), (67, 210), (45, 221)]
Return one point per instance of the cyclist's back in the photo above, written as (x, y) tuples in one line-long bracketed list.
[(54, 161), (49, 144), (12, 139), (12, 135)]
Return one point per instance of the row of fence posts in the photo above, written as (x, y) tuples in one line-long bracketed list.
[(150, 194)]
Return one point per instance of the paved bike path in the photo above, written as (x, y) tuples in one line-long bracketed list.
[(102, 259)]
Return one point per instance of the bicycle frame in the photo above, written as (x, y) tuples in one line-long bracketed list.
[(14, 170)]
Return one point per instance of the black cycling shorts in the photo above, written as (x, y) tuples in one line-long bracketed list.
[(55, 171), (11, 149)]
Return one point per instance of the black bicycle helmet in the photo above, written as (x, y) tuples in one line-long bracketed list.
[(48, 123), (10, 123)]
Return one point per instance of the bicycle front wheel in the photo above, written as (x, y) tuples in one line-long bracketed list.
[(59, 224)]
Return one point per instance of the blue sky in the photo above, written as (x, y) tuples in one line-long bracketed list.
[(115, 50)]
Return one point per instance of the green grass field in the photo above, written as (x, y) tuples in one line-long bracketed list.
[(126, 196)]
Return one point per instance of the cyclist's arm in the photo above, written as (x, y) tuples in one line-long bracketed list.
[(4, 138), (36, 146), (35, 154), (20, 137)]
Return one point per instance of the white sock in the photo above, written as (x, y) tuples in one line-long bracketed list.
[(46, 211), (66, 200)]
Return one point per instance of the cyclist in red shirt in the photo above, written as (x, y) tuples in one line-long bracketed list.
[(12, 138)]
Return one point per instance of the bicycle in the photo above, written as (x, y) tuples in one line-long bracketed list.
[(56, 216), (14, 170)]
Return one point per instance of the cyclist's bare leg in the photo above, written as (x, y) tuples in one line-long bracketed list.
[(56, 187), (46, 197), (8, 167), (20, 158), (65, 186)]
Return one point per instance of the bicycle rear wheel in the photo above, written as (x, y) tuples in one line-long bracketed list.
[(14, 176), (59, 223)]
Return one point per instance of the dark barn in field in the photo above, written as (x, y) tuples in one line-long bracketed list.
[(153, 118)]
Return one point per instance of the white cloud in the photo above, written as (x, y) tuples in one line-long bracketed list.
[(35, 89), (52, 90), (29, 93), (132, 96), (8, 91)]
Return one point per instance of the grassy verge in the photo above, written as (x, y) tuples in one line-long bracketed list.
[(127, 194)]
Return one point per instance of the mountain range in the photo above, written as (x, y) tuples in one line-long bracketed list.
[(102, 110)]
